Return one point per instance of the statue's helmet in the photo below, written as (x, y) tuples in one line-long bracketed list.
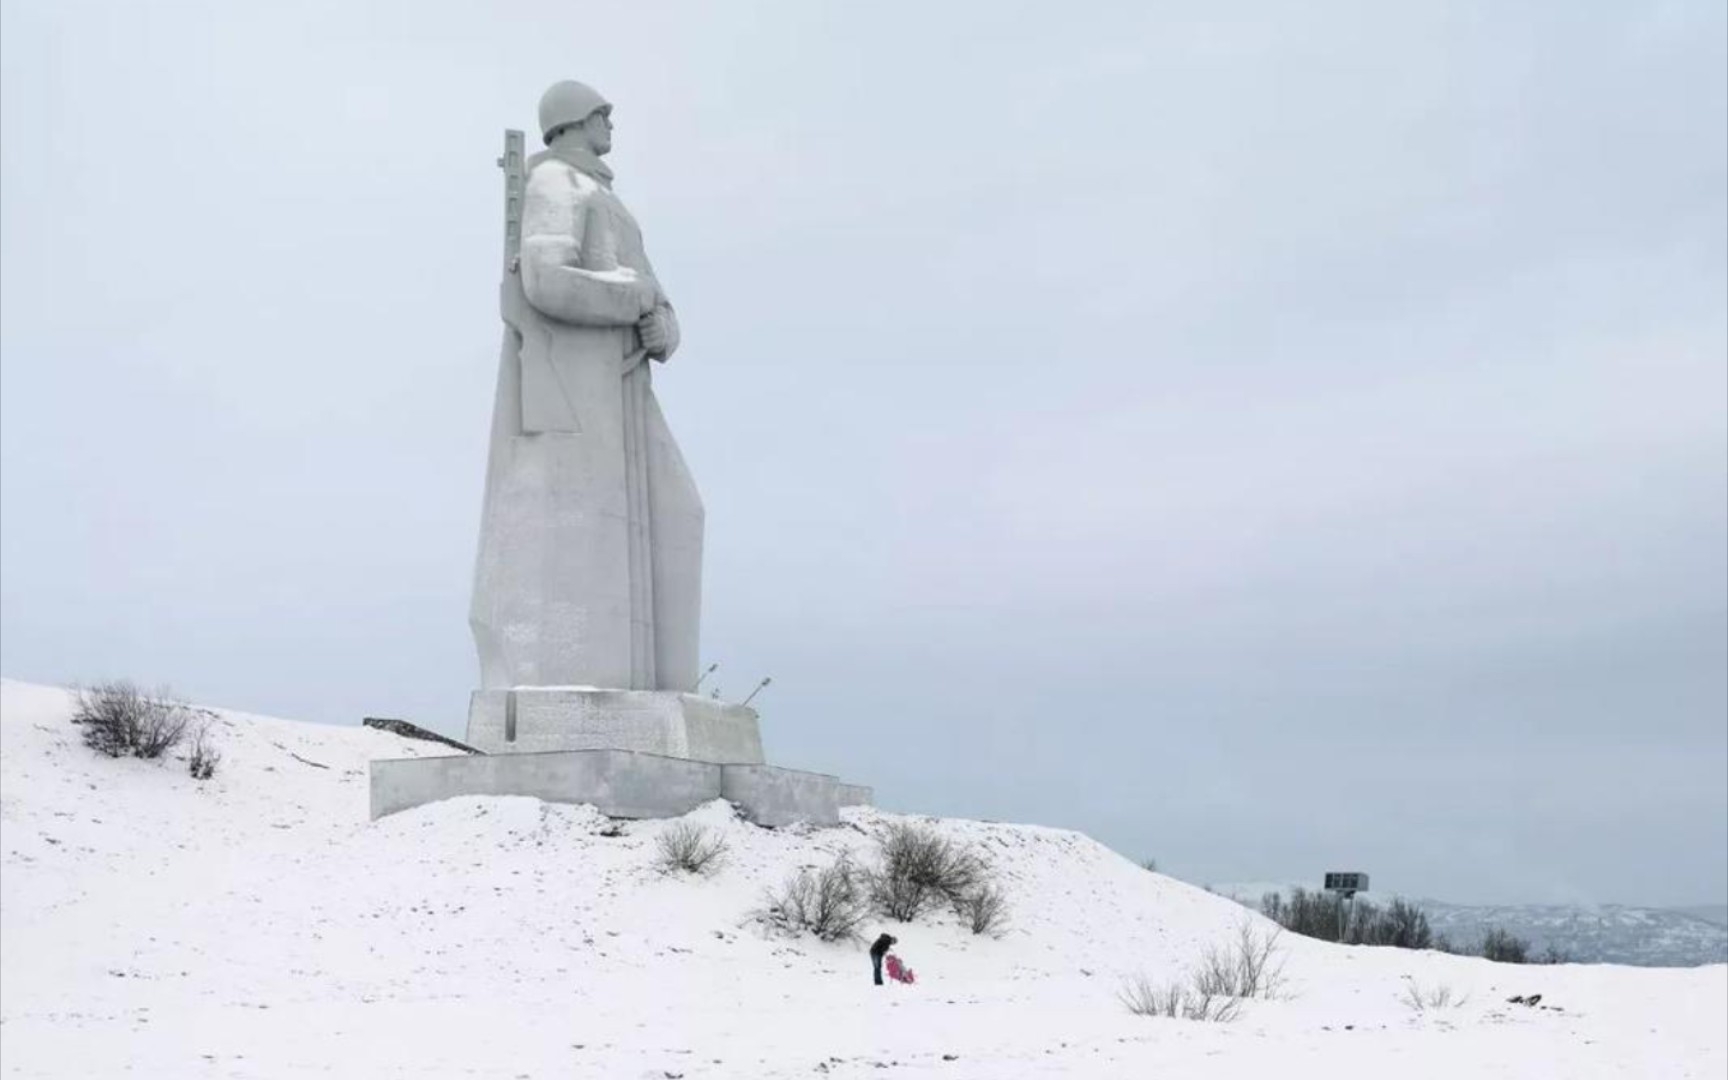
[(568, 102)]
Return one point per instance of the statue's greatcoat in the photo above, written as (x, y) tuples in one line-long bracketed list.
[(590, 562)]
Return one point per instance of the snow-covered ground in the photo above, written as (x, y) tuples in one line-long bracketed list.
[(259, 925)]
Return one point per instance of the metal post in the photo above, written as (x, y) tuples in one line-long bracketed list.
[(704, 675), (756, 691)]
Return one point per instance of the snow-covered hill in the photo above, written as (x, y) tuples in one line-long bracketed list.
[(257, 925), (1710, 913), (1606, 934), (1587, 934)]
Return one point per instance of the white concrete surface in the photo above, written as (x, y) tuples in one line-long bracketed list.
[(537, 719), (855, 795), (619, 783), (775, 797)]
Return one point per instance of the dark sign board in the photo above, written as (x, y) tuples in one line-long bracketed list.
[(1346, 882)]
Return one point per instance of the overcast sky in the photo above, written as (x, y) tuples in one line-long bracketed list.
[(1271, 438)]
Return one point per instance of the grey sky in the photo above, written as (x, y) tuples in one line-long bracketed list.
[(1276, 440)]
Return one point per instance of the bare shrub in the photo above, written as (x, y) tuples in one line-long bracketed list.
[(201, 762), (899, 898), (1502, 947), (921, 869), (1145, 998), (1253, 966), (1215, 988), (1359, 922), (119, 719), (1311, 914), (687, 847), (985, 910), (1426, 999), (1198, 1005), (830, 903), (1149, 864), (1176, 1001), (1404, 926)]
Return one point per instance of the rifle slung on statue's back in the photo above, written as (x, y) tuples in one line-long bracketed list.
[(515, 179)]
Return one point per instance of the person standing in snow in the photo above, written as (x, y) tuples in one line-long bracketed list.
[(878, 951)]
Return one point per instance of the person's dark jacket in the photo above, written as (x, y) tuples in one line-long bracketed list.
[(883, 944)]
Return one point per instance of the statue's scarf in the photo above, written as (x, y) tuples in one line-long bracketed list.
[(578, 157)]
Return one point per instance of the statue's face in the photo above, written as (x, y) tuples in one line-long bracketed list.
[(598, 129)]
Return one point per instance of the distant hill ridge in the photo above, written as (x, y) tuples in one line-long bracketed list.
[(1590, 934)]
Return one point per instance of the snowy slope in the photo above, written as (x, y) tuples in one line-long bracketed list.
[(258, 925)]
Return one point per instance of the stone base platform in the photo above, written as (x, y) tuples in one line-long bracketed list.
[(619, 783), (536, 719)]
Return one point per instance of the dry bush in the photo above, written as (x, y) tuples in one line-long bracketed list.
[(119, 719), (985, 910), (1503, 947), (1357, 922), (1201, 1006), (1403, 926), (201, 762), (897, 897), (1176, 1001), (921, 869), (1215, 988), (687, 847), (1252, 967), (1439, 997), (830, 903), (1144, 998)]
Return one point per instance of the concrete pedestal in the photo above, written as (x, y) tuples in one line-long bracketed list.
[(620, 783), (631, 753), (541, 719), (855, 795)]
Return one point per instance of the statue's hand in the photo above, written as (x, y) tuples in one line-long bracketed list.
[(655, 334)]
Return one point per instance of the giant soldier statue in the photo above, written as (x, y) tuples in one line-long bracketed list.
[(590, 561), (587, 589)]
